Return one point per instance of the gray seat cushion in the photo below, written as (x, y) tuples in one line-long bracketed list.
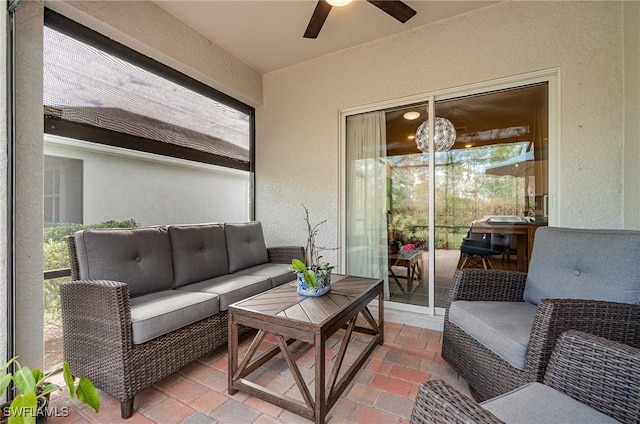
[(278, 273), (231, 287), (140, 257), (199, 252), (584, 264), (159, 313), (245, 245), (502, 327), (536, 403)]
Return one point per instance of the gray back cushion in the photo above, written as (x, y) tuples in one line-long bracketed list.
[(245, 245), (584, 264), (199, 252), (140, 257)]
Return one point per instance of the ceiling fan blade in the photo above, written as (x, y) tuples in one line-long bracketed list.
[(317, 19), (395, 8)]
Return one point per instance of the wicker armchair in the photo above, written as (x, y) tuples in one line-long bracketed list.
[(488, 373), (597, 372)]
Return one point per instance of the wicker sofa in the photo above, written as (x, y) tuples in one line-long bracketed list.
[(589, 380), (501, 326), (144, 302)]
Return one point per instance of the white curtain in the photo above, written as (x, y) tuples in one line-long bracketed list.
[(366, 212)]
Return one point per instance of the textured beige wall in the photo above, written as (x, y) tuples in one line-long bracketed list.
[(150, 30), (631, 13), (29, 179), (181, 192), (298, 127)]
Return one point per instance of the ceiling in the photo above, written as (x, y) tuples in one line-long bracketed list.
[(267, 34)]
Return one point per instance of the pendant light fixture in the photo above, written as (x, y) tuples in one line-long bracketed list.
[(445, 135)]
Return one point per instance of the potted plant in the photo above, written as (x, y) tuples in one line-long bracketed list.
[(408, 250), (314, 276), (34, 390)]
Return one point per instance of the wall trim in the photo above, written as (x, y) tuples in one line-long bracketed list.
[(134, 154)]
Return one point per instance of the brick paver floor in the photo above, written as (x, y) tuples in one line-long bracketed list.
[(382, 392)]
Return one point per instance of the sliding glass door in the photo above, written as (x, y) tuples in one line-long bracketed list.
[(409, 205)]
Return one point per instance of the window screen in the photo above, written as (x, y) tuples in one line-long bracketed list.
[(88, 87)]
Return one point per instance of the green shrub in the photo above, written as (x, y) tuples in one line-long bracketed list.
[(64, 230), (61, 231), (52, 308), (56, 256)]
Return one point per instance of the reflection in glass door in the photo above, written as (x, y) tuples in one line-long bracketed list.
[(495, 172)]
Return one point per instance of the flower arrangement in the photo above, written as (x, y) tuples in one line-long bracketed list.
[(312, 268), (409, 246)]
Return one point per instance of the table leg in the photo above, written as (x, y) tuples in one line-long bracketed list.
[(381, 315), (393, 274), (233, 353), (320, 397), (521, 243), (395, 278)]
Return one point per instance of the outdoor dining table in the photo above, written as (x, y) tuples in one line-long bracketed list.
[(523, 230), (412, 260)]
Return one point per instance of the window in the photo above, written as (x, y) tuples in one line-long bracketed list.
[(52, 196), (62, 190)]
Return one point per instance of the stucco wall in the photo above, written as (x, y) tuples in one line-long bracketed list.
[(163, 192), (631, 23), (297, 144), (29, 180)]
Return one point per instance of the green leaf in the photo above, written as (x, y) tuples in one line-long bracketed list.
[(37, 375), (298, 265), (23, 409), (11, 361), (311, 278), (68, 378), (87, 393), (24, 381), (4, 383), (48, 388)]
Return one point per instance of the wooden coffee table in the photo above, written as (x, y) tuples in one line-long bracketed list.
[(290, 317)]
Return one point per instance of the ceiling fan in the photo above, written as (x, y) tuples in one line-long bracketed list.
[(395, 8)]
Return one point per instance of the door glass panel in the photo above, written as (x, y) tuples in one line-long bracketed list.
[(408, 223), (493, 182)]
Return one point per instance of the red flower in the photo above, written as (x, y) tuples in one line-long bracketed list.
[(408, 247)]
